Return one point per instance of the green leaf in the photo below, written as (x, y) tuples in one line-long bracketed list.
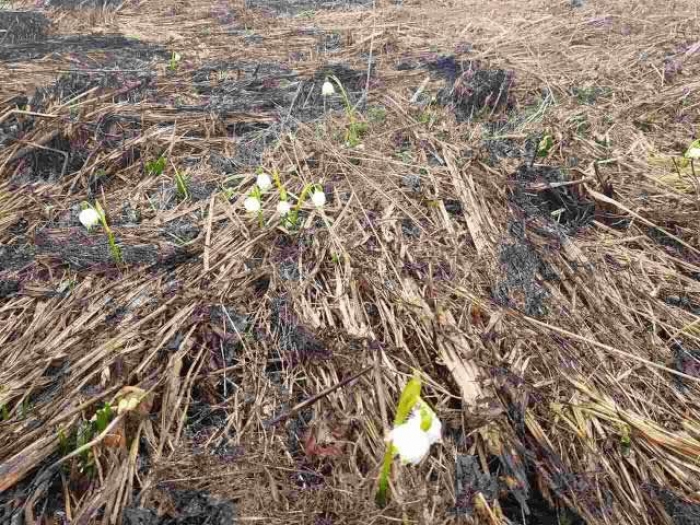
[(103, 417), (409, 398), (156, 167), (426, 416), (181, 185)]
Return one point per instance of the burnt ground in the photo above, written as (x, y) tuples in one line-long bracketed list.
[(296, 7), (519, 227), (22, 26)]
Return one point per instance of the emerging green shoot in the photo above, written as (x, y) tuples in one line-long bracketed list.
[(356, 129), (156, 167), (181, 185), (174, 61)]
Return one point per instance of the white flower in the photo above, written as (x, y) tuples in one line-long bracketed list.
[(327, 89), (693, 153), (412, 444), (283, 208), (264, 182), (252, 204), (89, 218), (318, 198)]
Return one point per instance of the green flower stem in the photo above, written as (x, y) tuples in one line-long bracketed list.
[(381, 496)]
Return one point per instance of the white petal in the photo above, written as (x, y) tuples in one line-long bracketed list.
[(693, 153), (284, 207), (252, 204), (410, 441), (327, 89), (264, 181), (318, 198), (89, 218), (435, 431)]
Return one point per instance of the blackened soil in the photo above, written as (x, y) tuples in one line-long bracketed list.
[(83, 251), (297, 343), (117, 50), (294, 7), (521, 288), (50, 162), (16, 256), (279, 96), (539, 511), (189, 507), (22, 26), (561, 205), (477, 91), (82, 4)]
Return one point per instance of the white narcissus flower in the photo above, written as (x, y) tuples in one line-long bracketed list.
[(283, 208), (411, 443), (89, 218), (252, 204), (264, 182), (327, 89), (318, 198)]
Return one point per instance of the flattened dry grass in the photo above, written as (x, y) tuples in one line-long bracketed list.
[(575, 360)]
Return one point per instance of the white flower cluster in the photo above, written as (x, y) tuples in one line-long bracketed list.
[(412, 440), (264, 182)]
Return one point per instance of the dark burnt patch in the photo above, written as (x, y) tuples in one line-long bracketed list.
[(84, 251), (183, 507), (275, 97), (477, 91), (680, 510), (686, 359), (80, 4), (22, 26), (524, 270), (16, 256), (295, 7), (105, 51), (8, 288), (541, 193), (297, 343), (49, 162)]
